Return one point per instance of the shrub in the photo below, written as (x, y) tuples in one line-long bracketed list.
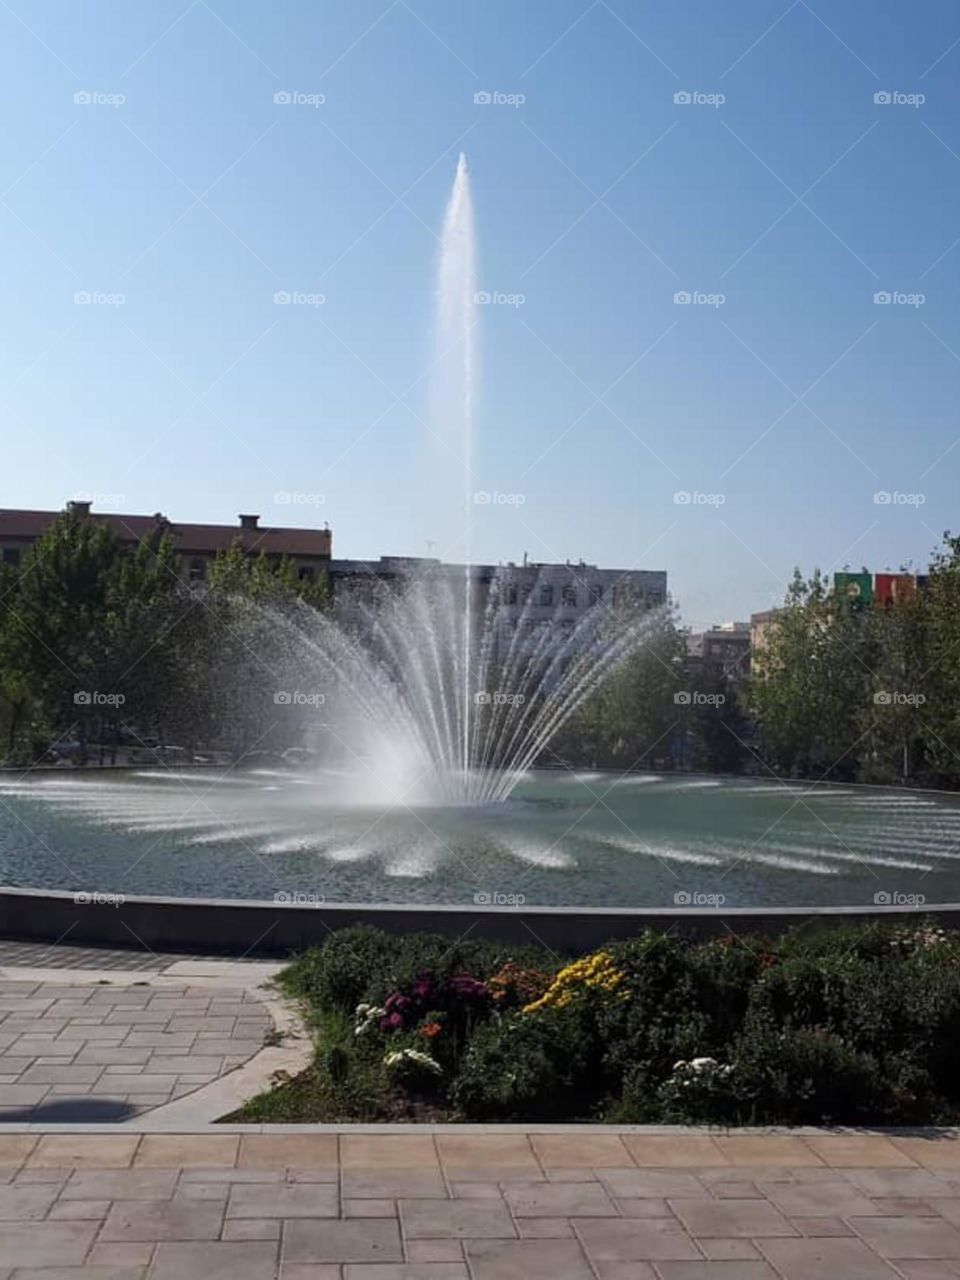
[(337, 975), (805, 1076), (362, 964), (850, 1025), (528, 1068)]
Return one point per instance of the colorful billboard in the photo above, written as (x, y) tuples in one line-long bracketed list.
[(894, 588), (857, 587)]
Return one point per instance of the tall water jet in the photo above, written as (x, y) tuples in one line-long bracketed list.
[(456, 356)]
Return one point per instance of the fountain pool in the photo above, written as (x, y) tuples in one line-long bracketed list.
[(584, 839)]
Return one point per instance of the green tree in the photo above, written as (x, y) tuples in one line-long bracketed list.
[(632, 719), (812, 681)]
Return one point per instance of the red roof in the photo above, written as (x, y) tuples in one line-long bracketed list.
[(190, 538)]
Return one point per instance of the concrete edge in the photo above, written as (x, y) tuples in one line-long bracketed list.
[(933, 1133), (253, 927)]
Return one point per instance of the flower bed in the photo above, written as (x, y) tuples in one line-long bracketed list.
[(844, 1026)]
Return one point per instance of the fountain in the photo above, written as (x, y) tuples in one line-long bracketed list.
[(443, 690)]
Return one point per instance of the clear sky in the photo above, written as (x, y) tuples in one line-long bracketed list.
[(198, 197)]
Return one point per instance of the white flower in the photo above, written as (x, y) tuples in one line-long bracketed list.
[(367, 1015), (413, 1055)]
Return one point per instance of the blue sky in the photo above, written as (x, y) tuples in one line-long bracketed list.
[(197, 198)]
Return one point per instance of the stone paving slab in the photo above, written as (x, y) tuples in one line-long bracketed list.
[(389, 1205), (115, 1049)]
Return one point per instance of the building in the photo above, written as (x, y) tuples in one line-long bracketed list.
[(761, 628), (309, 549), (537, 592), (533, 592), (724, 649)]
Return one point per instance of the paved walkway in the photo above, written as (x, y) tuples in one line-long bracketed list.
[(583, 1204), (66, 955), (88, 1046)]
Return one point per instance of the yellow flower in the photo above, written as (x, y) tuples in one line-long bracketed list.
[(597, 971)]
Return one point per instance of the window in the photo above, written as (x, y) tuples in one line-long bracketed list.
[(198, 570), (525, 593), (596, 594), (11, 555), (546, 595), (569, 597), (305, 573), (510, 593)]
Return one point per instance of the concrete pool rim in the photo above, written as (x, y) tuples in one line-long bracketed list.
[(242, 926)]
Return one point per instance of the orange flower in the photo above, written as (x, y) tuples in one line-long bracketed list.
[(431, 1029)]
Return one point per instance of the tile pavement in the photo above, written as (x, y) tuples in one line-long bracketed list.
[(101, 1050), (583, 1204)]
